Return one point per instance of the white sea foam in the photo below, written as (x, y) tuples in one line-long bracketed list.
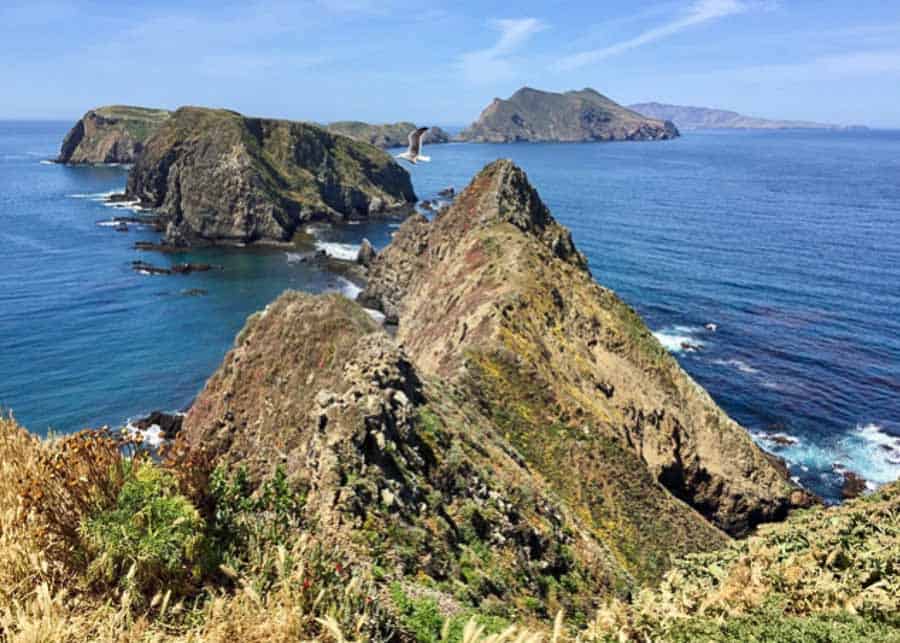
[(346, 251), (46, 162), (738, 364), (675, 339), (96, 196), (110, 224), (348, 288), (377, 315), (152, 435), (125, 205), (293, 257), (868, 450)]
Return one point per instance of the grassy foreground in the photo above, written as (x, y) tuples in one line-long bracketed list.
[(100, 542)]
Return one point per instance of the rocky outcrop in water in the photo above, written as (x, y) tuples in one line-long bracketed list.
[(531, 115), (215, 176), (113, 134), (386, 135)]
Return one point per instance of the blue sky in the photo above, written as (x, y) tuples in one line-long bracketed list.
[(441, 63)]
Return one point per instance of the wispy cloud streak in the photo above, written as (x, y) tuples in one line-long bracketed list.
[(493, 64), (700, 12)]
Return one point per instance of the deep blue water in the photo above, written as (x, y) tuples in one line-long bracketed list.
[(788, 241)]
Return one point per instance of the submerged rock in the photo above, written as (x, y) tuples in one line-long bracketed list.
[(854, 485)]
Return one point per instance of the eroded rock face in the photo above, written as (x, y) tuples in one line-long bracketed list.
[(215, 176), (400, 470), (531, 115), (494, 296), (114, 134)]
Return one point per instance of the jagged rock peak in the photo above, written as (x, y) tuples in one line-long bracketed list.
[(501, 193)]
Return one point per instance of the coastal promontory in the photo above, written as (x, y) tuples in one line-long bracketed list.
[(689, 117), (112, 134), (522, 412), (531, 115), (216, 176)]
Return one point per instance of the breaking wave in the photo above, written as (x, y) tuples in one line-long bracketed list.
[(345, 251), (680, 339), (868, 450)]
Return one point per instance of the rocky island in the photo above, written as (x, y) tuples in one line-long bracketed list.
[(216, 176), (386, 135), (531, 115), (112, 134)]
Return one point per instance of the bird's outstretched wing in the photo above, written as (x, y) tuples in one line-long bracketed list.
[(415, 140)]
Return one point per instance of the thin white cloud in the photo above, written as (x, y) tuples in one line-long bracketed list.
[(829, 68), (495, 63), (701, 11)]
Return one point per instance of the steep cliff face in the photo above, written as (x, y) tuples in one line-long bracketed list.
[(387, 134), (216, 176), (576, 116), (114, 134), (493, 295), (408, 472)]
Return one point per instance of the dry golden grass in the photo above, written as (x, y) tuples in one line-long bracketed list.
[(824, 575)]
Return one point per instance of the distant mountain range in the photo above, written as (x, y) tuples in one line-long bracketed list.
[(686, 117)]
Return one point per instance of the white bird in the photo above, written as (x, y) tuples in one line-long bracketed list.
[(412, 154)]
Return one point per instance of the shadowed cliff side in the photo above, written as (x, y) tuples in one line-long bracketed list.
[(113, 134), (216, 176), (494, 296)]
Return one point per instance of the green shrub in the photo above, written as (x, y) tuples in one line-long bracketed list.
[(422, 618), (246, 525), (776, 628), (151, 539)]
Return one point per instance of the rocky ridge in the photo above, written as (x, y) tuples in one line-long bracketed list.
[(386, 135), (531, 115), (215, 176), (493, 295), (112, 134), (525, 437)]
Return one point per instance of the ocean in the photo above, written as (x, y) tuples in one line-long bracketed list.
[(787, 242)]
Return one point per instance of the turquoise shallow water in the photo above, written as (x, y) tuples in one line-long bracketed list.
[(789, 242)]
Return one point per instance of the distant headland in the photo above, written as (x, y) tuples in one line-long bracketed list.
[(688, 118)]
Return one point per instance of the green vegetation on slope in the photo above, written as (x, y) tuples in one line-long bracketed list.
[(826, 574)]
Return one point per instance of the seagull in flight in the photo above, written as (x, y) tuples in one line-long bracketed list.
[(415, 146)]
